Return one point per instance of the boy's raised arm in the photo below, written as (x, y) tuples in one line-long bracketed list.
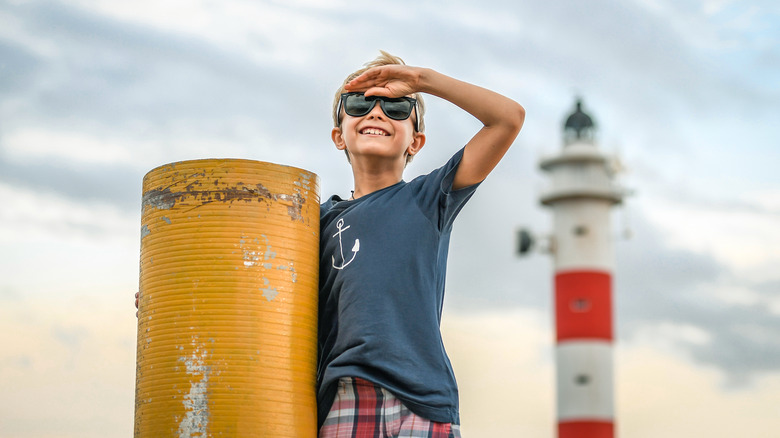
[(501, 116)]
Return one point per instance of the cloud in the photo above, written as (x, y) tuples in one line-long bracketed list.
[(17, 68), (110, 75), (648, 380), (658, 286), (84, 183)]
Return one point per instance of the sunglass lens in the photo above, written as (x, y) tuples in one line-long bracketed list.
[(356, 105), (397, 109)]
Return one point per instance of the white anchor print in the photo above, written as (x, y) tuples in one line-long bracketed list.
[(355, 247)]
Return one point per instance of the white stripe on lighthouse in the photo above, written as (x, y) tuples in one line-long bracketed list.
[(582, 235), (584, 377)]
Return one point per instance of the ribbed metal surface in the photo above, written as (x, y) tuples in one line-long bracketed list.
[(227, 326)]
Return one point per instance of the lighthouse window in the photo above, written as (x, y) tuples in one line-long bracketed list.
[(580, 305), (582, 379), (580, 230)]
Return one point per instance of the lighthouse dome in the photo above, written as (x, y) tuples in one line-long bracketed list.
[(579, 126)]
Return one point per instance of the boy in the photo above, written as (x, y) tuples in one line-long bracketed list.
[(382, 366)]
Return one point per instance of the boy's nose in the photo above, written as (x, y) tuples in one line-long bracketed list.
[(376, 111)]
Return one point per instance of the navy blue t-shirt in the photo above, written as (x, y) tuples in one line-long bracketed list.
[(383, 260)]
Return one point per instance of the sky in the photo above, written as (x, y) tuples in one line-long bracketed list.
[(685, 94)]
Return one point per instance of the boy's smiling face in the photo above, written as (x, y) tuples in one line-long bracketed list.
[(377, 136)]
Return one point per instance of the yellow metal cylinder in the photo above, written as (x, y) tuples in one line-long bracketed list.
[(227, 323)]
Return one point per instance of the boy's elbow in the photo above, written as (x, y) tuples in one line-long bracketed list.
[(514, 117), (518, 117)]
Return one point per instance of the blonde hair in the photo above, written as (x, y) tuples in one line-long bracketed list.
[(383, 59)]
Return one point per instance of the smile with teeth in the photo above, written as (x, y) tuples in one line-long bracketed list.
[(374, 131)]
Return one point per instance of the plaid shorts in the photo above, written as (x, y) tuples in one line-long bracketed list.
[(364, 410)]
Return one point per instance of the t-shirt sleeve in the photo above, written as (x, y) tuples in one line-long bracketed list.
[(435, 195)]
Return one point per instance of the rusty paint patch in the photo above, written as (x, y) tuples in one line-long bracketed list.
[(263, 191), (165, 199), (159, 199)]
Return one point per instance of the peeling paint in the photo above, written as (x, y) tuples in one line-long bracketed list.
[(294, 210), (293, 274), (196, 419), (145, 231), (250, 258), (264, 192), (268, 292), (165, 218), (306, 177), (159, 199)]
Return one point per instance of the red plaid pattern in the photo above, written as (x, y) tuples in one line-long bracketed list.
[(364, 410)]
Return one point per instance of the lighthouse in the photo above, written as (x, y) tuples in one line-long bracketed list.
[(581, 194)]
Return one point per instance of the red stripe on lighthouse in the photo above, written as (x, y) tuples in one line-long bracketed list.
[(583, 305), (589, 429)]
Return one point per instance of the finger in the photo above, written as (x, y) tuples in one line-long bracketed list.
[(370, 78), (361, 85), (371, 74), (379, 91), (372, 90)]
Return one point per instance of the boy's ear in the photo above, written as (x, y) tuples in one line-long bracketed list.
[(338, 138), (418, 141)]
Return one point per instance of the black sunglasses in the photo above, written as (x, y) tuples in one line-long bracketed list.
[(397, 108)]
